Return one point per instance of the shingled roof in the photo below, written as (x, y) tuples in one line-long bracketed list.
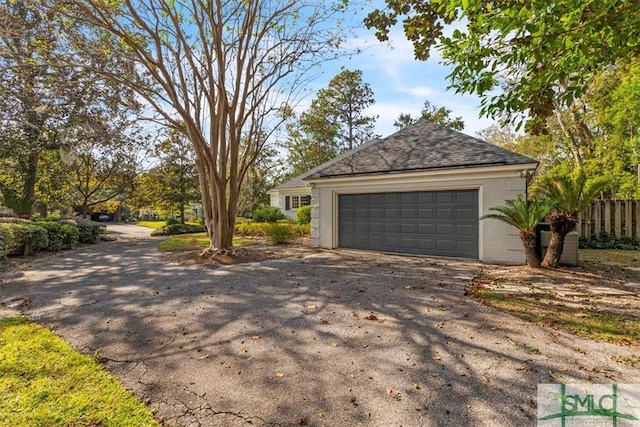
[(422, 146)]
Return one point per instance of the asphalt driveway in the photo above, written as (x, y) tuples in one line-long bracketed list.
[(337, 338)]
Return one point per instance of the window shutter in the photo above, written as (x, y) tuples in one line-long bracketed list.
[(287, 203)]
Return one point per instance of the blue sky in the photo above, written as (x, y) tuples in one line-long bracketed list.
[(400, 83)]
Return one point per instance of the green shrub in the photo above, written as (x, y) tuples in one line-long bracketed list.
[(303, 215), (25, 238), (89, 230), (605, 241), (281, 233), (269, 214), (5, 235), (172, 221), (196, 220), (61, 236), (169, 230), (251, 228), (304, 229)]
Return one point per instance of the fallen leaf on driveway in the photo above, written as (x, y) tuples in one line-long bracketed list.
[(334, 344), (279, 374), (373, 317), (312, 306), (581, 315), (256, 337), (206, 356)]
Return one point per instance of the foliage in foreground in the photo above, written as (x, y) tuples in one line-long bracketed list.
[(45, 382)]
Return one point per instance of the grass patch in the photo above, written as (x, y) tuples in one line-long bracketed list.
[(44, 382), (545, 309), (151, 224), (629, 258), (190, 242)]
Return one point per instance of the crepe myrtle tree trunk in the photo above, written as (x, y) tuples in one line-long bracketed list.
[(219, 208)]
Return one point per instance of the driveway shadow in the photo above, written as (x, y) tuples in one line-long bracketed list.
[(338, 338)]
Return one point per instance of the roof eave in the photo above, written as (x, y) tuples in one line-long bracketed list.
[(465, 169)]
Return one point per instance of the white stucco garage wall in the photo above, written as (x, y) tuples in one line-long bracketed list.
[(498, 242)]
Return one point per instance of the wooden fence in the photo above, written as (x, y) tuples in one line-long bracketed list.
[(617, 218)]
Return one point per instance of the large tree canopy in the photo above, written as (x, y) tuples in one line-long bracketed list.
[(44, 98), (219, 72), (541, 54), (440, 115), (334, 122)]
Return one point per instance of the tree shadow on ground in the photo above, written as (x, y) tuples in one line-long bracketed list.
[(336, 338)]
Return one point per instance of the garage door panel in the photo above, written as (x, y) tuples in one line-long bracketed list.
[(468, 197), (391, 242), (444, 197), (408, 198), (426, 213), (465, 230), (426, 244), (376, 240), (434, 223), (426, 198), (376, 213), (391, 213), (409, 227), (376, 227), (410, 213), (391, 198), (444, 213), (391, 227), (466, 213), (446, 245), (445, 229), (361, 226), (408, 242), (426, 228), (377, 199)]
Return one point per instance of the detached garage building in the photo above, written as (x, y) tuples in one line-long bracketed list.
[(421, 190)]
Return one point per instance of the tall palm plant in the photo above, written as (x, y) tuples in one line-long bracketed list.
[(523, 215), (569, 195)]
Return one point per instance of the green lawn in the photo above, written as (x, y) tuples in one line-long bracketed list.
[(190, 242), (547, 309), (44, 382), (628, 258), (151, 224)]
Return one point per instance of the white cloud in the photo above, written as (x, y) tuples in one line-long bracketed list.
[(422, 92)]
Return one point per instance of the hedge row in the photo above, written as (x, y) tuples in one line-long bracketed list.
[(171, 229), (285, 228), (25, 237)]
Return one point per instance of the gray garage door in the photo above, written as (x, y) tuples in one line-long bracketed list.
[(443, 223)]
